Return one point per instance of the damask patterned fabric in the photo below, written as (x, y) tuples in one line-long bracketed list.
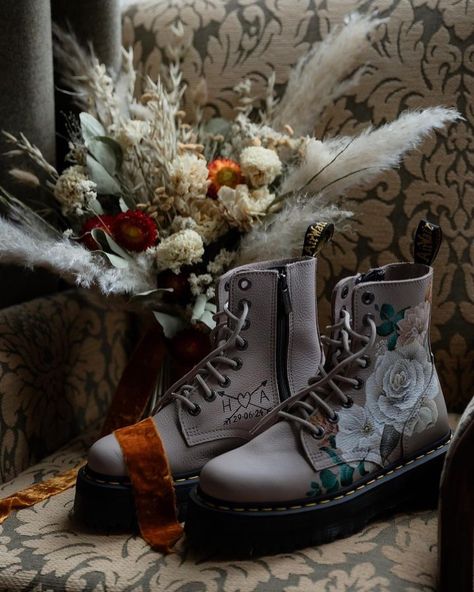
[(423, 57), (61, 358), (42, 549)]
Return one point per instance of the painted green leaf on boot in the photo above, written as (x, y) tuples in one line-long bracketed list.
[(385, 329), (333, 454), (315, 490), (362, 470), (386, 312), (329, 481), (346, 474)]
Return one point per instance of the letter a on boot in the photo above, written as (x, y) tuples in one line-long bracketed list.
[(266, 347), (369, 434)]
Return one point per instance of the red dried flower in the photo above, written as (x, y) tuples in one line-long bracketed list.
[(134, 230), (103, 222), (189, 346), (223, 171)]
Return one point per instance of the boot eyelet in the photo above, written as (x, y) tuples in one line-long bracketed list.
[(195, 411), (334, 419), (359, 385), (225, 382), (348, 403), (242, 346), (239, 364), (246, 325), (211, 397), (245, 284), (345, 292), (366, 361), (366, 318), (368, 297), (244, 301), (319, 435), (226, 286)]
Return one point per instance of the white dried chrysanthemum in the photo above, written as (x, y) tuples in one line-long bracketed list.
[(183, 223), (260, 166), (182, 248), (74, 190), (188, 176), (242, 206)]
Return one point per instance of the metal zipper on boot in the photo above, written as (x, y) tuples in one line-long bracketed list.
[(283, 329)]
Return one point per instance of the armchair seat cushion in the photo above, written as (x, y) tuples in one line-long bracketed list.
[(42, 548)]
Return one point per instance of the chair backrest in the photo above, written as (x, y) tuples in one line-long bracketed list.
[(421, 59)]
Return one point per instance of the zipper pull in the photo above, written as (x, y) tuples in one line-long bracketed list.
[(285, 293)]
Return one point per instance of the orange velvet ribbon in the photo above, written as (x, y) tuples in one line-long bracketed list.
[(138, 381), (38, 492), (152, 483), (131, 397)]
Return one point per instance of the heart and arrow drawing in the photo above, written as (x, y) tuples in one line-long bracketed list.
[(246, 405)]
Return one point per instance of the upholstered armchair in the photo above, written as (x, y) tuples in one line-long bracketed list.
[(61, 356)]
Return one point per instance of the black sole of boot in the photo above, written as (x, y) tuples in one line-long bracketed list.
[(108, 506), (254, 530)]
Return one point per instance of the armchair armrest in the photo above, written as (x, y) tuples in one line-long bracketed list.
[(60, 360)]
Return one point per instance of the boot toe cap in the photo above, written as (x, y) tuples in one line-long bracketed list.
[(105, 457)]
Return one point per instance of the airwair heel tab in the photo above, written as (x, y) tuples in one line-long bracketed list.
[(428, 239), (316, 237)]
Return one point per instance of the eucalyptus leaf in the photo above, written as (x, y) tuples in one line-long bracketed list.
[(96, 207), (123, 206), (103, 154), (170, 324), (217, 126), (90, 127), (107, 242), (208, 319), (106, 184), (199, 307), (116, 261)]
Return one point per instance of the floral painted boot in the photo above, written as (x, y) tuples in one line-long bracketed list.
[(266, 346), (366, 437)]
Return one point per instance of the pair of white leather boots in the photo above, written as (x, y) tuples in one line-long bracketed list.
[(274, 444)]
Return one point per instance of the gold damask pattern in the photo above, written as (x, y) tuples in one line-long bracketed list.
[(422, 57), (61, 358), (42, 549)]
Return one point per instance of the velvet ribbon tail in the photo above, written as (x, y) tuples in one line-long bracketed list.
[(37, 493), (152, 483)]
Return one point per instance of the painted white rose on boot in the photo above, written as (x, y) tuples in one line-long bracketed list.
[(400, 378), (426, 417), (358, 434), (414, 325)]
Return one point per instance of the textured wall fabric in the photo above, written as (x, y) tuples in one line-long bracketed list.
[(43, 549), (61, 358), (421, 57)]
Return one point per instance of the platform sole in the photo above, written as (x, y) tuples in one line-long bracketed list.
[(108, 506), (250, 530)]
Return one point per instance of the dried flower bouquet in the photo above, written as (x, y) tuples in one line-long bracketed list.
[(157, 200)]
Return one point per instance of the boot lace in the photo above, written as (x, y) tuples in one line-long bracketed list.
[(224, 338), (341, 340)]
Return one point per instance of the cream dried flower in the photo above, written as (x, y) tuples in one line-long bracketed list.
[(221, 262), (243, 206), (131, 132), (181, 248), (260, 166), (200, 283), (74, 190), (189, 176)]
